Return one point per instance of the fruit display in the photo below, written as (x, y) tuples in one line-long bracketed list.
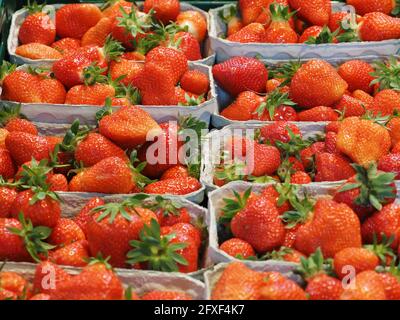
[(48, 33), (96, 281), (114, 158), (285, 152), (308, 91), (289, 223)]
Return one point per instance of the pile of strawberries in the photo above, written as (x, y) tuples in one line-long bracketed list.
[(97, 281), (310, 91), (311, 22), (88, 74)]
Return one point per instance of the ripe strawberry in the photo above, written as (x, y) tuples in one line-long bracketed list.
[(336, 19), (97, 281), (238, 282), (232, 21), (188, 44), (195, 22), (285, 254), (384, 222), (3, 135), (330, 142), (391, 283), (390, 163), (37, 51), (185, 98), (360, 259), (351, 106), (127, 68), (357, 74), (363, 140), (7, 169), (95, 95), (66, 45), (280, 31), (181, 186), (113, 8), (318, 35), (332, 227), (166, 295), (97, 35), (264, 230), (308, 153), (31, 87), (24, 146), (243, 108), (111, 175), (279, 131), (265, 162), (320, 286), (74, 20), (300, 177), (285, 113), (240, 74), (385, 102), (128, 126), (58, 182), (377, 26), (367, 191), (175, 172), (317, 83), (318, 114), (37, 26), (12, 246), (41, 282), (7, 197), (75, 254), (394, 130), (278, 287), (363, 97), (332, 167), (253, 32), (238, 248), (367, 286), (195, 81), (84, 216), (164, 10), (40, 297), (65, 232), (316, 12), (14, 283), (12, 120), (169, 213), (364, 7), (396, 148)]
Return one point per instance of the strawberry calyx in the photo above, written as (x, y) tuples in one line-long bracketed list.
[(6, 68), (383, 248), (93, 74), (285, 72), (129, 92), (41, 193), (227, 15), (168, 207), (262, 179), (295, 144), (104, 111), (192, 100), (387, 74), (314, 265), (7, 184), (156, 250), (325, 36), (35, 174), (10, 111), (285, 170), (137, 167), (43, 72), (302, 209), (99, 259), (233, 206), (34, 7), (133, 23), (73, 137), (376, 187), (350, 30), (277, 254), (272, 102), (33, 237), (280, 13), (112, 49), (230, 172)]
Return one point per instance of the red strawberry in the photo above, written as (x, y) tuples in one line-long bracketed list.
[(385, 102), (84, 216), (97, 35), (391, 283), (243, 107), (65, 232), (332, 167), (239, 74), (36, 51), (318, 35), (58, 182), (318, 114), (7, 169), (357, 74), (265, 162), (66, 45), (237, 248), (188, 44), (254, 32), (351, 106), (360, 259), (10, 118), (177, 171), (390, 163), (181, 186), (377, 26), (280, 31), (166, 295), (278, 287), (75, 254), (300, 177), (195, 81), (195, 22), (7, 197), (12, 246), (367, 286), (130, 69), (308, 153), (316, 12), (164, 10), (41, 281), (364, 7), (279, 131)]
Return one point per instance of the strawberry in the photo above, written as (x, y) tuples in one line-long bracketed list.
[(385, 102), (75, 254), (127, 68), (264, 230), (357, 74), (37, 26), (320, 286), (41, 282), (391, 283), (112, 8), (12, 246), (266, 160), (238, 282), (364, 97), (385, 74), (367, 286), (121, 221), (300, 177), (279, 30), (350, 106), (7, 169), (330, 142), (232, 21), (3, 135), (168, 212), (7, 197), (318, 114), (279, 131), (308, 153), (367, 191), (181, 186), (37, 51), (364, 7), (332, 167), (377, 26), (277, 195), (317, 83), (332, 227), (316, 12), (253, 32), (128, 126), (383, 223), (95, 94), (174, 172), (318, 35), (195, 81), (363, 140), (164, 10), (336, 19), (40, 297), (111, 175), (58, 182), (360, 259), (66, 45), (285, 254), (166, 295), (31, 87), (390, 163), (396, 148), (250, 10), (97, 281), (238, 248), (24, 146), (195, 22), (97, 35), (185, 98), (84, 216), (243, 107), (278, 287), (273, 107), (74, 20), (12, 120), (188, 44), (15, 283), (65, 232), (394, 126)]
